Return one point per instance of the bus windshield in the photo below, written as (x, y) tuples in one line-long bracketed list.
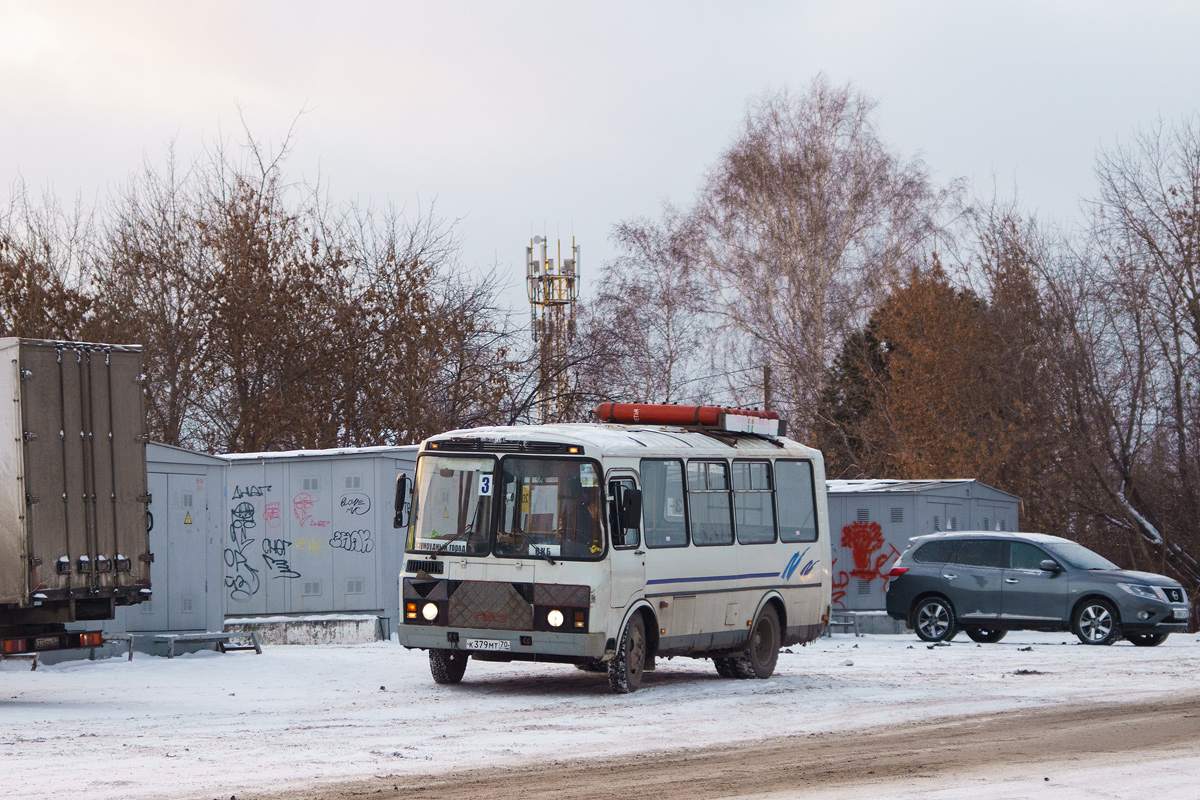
[(550, 508), (452, 505)]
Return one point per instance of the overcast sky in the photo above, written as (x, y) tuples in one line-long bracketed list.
[(520, 117)]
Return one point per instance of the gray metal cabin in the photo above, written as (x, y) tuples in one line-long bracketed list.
[(871, 522)]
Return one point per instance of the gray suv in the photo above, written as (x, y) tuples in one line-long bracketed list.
[(990, 583)]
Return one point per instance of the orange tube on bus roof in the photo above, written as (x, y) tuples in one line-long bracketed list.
[(652, 414)]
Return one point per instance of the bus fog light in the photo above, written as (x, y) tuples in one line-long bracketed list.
[(555, 618), (429, 611)]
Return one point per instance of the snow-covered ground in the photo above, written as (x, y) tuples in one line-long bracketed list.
[(208, 725)]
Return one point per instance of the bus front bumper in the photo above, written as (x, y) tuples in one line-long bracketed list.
[(524, 645)]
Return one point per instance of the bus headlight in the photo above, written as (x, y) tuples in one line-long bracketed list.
[(429, 611), (555, 618)]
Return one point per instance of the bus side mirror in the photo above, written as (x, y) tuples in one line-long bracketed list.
[(631, 508), (399, 518)]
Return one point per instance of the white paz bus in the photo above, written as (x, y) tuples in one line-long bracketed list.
[(663, 531)]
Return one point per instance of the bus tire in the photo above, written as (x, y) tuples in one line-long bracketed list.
[(764, 642), (447, 666), (625, 671), (726, 667)]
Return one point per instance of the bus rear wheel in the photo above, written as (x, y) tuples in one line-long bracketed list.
[(726, 667), (763, 651), (625, 671), (447, 666)]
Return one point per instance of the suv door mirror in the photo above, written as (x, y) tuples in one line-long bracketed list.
[(1050, 565), (399, 506), (630, 512)]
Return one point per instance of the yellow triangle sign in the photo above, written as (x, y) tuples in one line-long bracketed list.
[(187, 520)]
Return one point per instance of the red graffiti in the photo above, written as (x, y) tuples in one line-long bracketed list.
[(839, 586), (865, 540), (271, 516), (301, 506)]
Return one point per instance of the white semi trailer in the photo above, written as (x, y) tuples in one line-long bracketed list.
[(73, 520)]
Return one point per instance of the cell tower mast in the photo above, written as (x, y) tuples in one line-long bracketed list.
[(553, 291)]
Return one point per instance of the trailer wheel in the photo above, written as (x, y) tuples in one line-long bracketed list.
[(447, 666)]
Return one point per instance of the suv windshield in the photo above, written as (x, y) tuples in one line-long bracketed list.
[(452, 505), (550, 508), (1079, 556)]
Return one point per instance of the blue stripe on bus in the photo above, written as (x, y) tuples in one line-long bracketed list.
[(716, 578)]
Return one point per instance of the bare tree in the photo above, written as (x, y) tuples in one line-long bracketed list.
[(152, 273), (43, 267), (805, 222), (646, 325)]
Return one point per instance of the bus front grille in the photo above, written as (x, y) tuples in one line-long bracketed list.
[(484, 604)]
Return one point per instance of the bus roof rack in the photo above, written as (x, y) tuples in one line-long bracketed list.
[(706, 419)]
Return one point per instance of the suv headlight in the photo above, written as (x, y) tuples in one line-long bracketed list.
[(1141, 591)]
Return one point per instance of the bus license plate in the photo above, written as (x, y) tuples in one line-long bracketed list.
[(487, 644), (46, 643), (1181, 613)]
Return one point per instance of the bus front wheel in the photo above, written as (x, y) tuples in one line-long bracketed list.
[(447, 666), (625, 671)]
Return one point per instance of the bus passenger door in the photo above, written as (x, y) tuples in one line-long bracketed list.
[(627, 556)]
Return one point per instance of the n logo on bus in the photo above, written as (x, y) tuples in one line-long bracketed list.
[(794, 564)]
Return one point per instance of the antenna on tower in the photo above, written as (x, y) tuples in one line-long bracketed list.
[(553, 293)]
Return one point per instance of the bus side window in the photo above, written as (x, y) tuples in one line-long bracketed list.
[(753, 511), (618, 496), (663, 509), (708, 501), (795, 500)]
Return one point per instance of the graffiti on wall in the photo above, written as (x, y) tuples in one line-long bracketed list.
[(243, 581), (355, 503), (250, 491), (352, 541), (302, 506), (869, 552)]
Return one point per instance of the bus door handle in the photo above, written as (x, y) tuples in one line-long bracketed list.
[(639, 552)]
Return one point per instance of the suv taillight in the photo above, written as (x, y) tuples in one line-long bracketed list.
[(896, 572)]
